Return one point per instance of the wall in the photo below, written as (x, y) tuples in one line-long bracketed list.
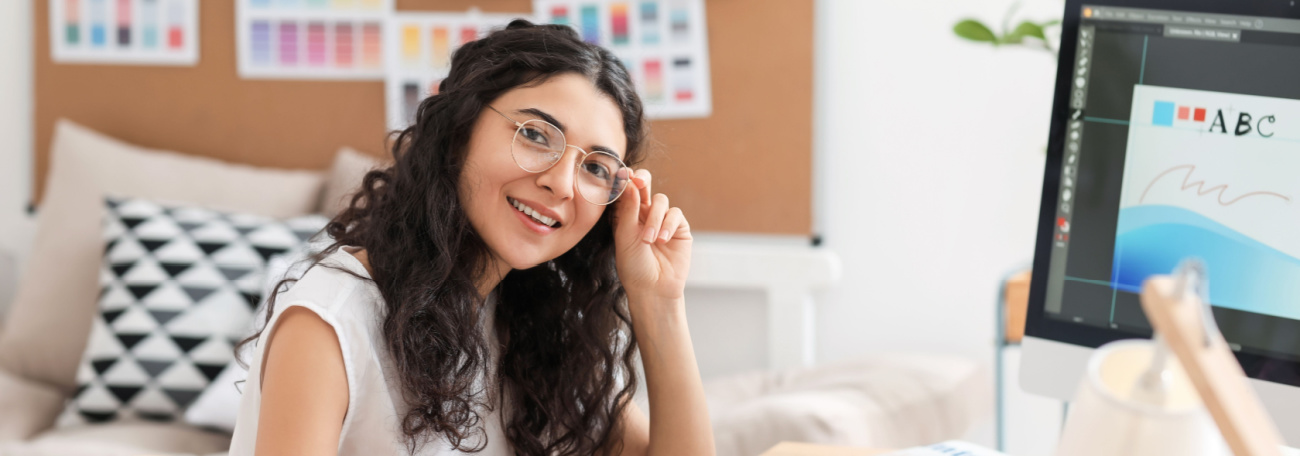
[(929, 156), (16, 228)]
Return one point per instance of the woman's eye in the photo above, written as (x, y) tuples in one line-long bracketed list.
[(596, 170), (535, 136)]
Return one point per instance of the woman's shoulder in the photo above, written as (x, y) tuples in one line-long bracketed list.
[(331, 284)]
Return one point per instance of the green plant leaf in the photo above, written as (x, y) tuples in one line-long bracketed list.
[(1031, 29), (975, 31)]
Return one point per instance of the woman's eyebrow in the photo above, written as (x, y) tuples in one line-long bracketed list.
[(544, 116), (607, 150), (551, 120)]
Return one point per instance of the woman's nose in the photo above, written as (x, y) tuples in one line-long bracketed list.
[(559, 178)]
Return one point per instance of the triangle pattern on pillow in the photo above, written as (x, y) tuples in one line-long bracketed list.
[(174, 287)]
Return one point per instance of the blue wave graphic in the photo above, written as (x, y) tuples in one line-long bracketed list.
[(1245, 274)]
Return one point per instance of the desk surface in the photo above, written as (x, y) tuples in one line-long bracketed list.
[(808, 449)]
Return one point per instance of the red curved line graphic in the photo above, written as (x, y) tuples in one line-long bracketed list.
[(1201, 190)]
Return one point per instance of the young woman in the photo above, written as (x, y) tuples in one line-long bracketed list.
[(489, 292)]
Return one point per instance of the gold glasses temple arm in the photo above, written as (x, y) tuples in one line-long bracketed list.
[(517, 124)]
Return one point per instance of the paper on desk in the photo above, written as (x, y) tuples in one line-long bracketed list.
[(949, 448)]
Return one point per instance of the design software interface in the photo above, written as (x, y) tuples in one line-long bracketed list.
[(1182, 140)]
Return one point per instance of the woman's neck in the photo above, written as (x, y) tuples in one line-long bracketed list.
[(495, 272)]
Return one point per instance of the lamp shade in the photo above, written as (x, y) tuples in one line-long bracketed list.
[(1105, 419)]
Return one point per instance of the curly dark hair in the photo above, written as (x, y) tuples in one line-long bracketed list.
[(567, 351)]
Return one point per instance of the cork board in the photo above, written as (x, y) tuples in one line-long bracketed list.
[(746, 169)]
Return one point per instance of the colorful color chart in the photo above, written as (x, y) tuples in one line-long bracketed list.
[(420, 47), (663, 43), (311, 39), (124, 31)]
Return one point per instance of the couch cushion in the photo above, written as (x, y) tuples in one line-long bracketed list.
[(121, 439), (345, 177), (49, 320), (882, 401)]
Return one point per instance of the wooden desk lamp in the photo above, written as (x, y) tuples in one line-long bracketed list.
[(1175, 307)]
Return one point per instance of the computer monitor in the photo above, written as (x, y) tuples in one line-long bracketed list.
[(1175, 133)]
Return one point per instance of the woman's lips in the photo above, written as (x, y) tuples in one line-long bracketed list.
[(529, 222)]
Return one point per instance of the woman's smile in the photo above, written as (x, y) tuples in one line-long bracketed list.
[(534, 216)]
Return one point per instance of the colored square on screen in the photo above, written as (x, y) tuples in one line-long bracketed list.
[(1163, 114), (1200, 115), (1184, 112)]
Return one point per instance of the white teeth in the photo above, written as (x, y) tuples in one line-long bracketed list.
[(532, 213)]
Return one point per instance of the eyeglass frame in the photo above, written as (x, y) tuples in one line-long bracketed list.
[(519, 126)]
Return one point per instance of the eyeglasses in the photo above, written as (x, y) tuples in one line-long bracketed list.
[(600, 177)]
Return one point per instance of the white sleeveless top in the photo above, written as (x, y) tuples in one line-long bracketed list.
[(353, 307)]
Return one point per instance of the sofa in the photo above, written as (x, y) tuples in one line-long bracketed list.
[(883, 400)]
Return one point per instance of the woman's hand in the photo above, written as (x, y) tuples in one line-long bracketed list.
[(652, 244)]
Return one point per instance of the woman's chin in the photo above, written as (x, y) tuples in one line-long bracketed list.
[(522, 262)]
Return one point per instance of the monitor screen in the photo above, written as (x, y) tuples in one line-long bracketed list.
[(1181, 140)]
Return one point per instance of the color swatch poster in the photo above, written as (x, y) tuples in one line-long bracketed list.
[(311, 39), (131, 32), (419, 48), (663, 43)]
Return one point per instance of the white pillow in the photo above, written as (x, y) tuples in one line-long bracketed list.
[(48, 321), (218, 406), (179, 287)]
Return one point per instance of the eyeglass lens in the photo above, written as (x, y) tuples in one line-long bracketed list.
[(539, 145)]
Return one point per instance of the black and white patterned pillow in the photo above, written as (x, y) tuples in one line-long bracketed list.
[(179, 286)]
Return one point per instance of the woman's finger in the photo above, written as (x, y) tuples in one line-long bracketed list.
[(655, 219), (628, 216), (672, 222), (645, 178)]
